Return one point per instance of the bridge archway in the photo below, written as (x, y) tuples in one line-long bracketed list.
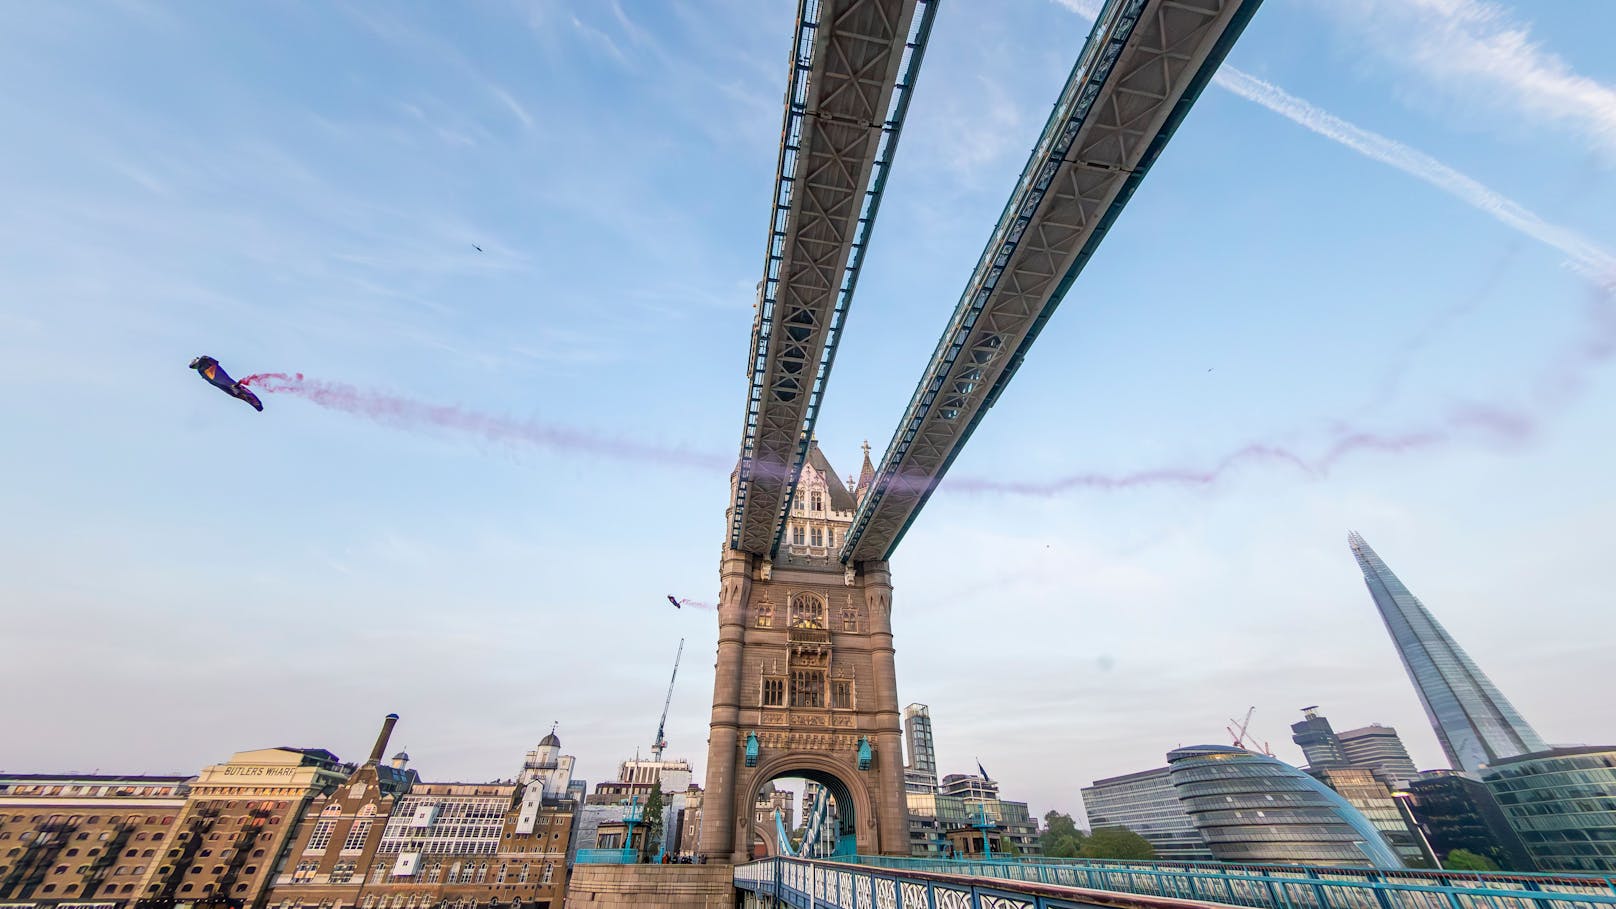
[(854, 830)]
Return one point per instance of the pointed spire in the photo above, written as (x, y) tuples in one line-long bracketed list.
[(866, 474)]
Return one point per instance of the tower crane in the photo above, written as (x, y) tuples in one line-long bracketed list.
[(661, 740), (1237, 731)]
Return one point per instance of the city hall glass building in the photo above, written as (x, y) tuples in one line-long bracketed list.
[(1255, 809), (1474, 722)]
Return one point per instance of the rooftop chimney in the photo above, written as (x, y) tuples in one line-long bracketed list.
[(381, 740)]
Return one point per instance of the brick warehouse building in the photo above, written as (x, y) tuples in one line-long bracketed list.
[(287, 827), (84, 838)]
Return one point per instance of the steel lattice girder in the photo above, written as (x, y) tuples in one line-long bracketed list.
[(1145, 63), (844, 111)]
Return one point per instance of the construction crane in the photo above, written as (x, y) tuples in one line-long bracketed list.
[(661, 740), (1237, 731)]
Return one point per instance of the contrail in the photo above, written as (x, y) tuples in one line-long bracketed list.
[(1587, 256), (407, 413), (1590, 258)]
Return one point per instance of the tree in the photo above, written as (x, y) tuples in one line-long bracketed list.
[(1116, 843), (1060, 837), (653, 821), (1465, 860)]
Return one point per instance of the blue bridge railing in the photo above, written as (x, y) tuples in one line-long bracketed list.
[(606, 857), (1037, 884)]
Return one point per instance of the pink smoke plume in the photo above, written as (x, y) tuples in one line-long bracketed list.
[(406, 413), (696, 604)]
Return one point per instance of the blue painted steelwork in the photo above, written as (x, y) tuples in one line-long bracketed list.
[(1088, 77), (751, 749), (785, 177), (604, 857), (934, 884), (865, 756), (1286, 886), (984, 827), (813, 820), (829, 885)]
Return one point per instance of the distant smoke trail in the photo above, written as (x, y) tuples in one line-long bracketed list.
[(406, 413), (1555, 389), (697, 604)]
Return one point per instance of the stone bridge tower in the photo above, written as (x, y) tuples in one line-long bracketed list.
[(806, 684)]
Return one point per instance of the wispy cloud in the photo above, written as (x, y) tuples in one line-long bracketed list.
[(1588, 256), (511, 104), (1480, 54), (600, 39)]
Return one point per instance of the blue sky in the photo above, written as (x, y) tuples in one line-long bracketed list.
[(301, 190)]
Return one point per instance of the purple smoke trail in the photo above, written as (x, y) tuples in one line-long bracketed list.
[(1558, 387), (405, 413), (698, 604)]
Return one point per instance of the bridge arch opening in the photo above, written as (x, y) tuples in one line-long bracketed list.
[(803, 811)]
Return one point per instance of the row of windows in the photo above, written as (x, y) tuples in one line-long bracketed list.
[(93, 819), (814, 536), (807, 690)]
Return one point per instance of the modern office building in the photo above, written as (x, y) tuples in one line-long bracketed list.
[(1378, 748), (1364, 791), (1562, 802), (970, 786), (1476, 725), (920, 773), (1253, 808), (1318, 741), (1146, 803), (939, 812), (1457, 812)]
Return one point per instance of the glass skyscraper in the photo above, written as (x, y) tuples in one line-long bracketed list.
[(1474, 722)]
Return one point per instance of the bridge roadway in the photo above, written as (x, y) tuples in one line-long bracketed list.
[(885, 882), (1144, 65), (853, 66)]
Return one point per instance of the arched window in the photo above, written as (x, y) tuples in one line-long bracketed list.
[(807, 611), (818, 502), (765, 614)]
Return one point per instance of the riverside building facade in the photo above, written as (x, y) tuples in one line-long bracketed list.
[(1146, 803)]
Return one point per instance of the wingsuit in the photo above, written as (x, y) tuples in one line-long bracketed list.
[(209, 369)]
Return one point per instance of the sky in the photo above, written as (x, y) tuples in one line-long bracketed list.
[(1367, 287)]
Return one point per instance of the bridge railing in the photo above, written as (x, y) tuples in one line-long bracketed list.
[(807, 884), (1286, 886), (606, 857), (1592, 883)]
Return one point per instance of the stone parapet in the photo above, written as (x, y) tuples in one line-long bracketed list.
[(673, 886)]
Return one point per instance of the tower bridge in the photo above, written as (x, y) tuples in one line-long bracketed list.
[(806, 681)]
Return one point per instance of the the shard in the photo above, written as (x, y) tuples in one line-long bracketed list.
[(1474, 722)]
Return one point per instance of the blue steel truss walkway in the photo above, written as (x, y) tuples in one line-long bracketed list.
[(888, 882)]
